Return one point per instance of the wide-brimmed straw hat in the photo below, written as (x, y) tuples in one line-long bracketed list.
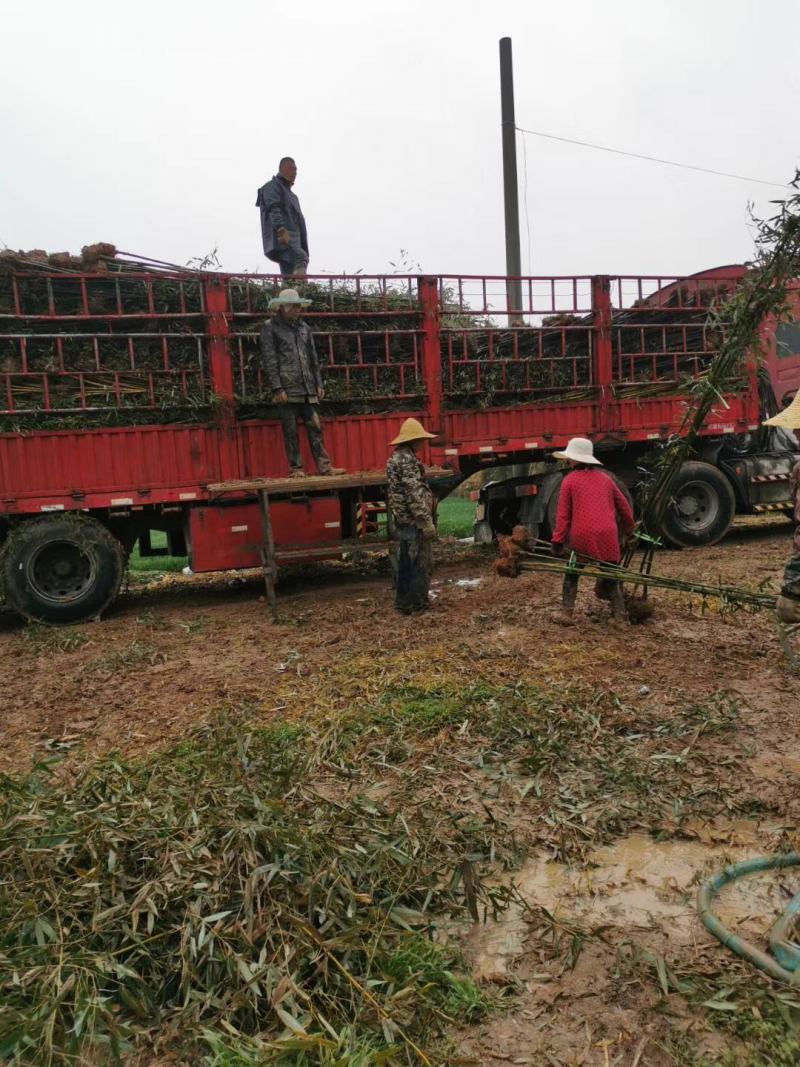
[(581, 450), (411, 430), (789, 418), (288, 298)]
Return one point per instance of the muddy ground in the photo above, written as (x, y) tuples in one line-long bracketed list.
[(599, 959)]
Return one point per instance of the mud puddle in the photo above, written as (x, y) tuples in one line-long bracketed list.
[(640, 887)]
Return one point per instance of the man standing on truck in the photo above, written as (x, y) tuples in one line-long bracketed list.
[(293, 374), (411, 505), (283, 228)]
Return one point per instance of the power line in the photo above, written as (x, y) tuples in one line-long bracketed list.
[(652, 159)]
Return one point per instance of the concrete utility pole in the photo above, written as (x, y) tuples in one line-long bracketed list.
[(510, 191)]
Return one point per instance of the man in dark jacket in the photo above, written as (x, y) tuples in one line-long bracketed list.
[(283, 227), (293, 374)]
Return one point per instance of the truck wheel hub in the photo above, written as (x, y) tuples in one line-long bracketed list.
[(697, 506), (61, 571), (689, 506)]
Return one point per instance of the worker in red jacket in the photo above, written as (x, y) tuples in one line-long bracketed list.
[(592, 513)]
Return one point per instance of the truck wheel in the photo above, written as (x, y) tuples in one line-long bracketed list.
[(702, 507), (61, 569)]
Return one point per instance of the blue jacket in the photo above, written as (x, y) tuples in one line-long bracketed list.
[(279, 207)]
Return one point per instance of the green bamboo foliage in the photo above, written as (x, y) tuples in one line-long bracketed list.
[(206, 887), (736, 323), (728, 597)]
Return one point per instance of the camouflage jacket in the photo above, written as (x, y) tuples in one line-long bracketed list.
[(409, 498), (791, 576)]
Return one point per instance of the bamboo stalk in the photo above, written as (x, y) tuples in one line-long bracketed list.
[(537, 561)]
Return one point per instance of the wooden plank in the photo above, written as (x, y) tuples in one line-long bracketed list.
[(318, 483), (268, 561), (332, 551)]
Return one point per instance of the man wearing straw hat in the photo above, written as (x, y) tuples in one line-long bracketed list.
[(411, 506), (787, 607), (591, 511), (293, 374)]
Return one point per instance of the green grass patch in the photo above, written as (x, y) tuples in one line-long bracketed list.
[(456, 517), (242, 891), (136, 654), (758, 1021), (156, 564), (43, 638), (590, 766), (205, 885)]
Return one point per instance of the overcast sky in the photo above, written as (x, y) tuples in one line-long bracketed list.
[(151, 124)]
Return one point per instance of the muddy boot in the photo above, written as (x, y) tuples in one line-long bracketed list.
[(297, 472), (332, 470), (569, 594), (619, 614)]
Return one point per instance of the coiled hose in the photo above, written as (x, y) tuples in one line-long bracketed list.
[(784, 963)]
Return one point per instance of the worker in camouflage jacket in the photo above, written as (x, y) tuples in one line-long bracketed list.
[(283, 227), (410, 503), (294, 378), (788, 604)]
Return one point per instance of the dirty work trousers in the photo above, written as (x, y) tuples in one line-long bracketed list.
[(293, 259), (787, 606), (289, 414), (412, 567), (604, 589)]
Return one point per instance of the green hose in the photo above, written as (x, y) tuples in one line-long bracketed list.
[(786, 962)]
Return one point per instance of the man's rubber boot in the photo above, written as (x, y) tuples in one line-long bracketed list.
[(565, 615), (332, 470), (297, 472), (619, 613)]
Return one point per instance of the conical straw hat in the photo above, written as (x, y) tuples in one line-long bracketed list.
[(789, 418), (411, 430)]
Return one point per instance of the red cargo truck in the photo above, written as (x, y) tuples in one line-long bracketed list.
[(129, 395)]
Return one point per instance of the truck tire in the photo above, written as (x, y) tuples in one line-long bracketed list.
[(702, 507), (61, 569)]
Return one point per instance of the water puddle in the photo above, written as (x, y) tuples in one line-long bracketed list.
[(639, 885)]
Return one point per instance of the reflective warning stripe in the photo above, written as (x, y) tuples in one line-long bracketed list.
[(770, 477)]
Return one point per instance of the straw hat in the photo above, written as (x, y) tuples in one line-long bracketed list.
[(581, 450), (288, 298), (411, 430), (789, 418)]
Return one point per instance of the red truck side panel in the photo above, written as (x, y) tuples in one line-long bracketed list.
[(357, 442), (229, 538), (39, 467), (597, 356)]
